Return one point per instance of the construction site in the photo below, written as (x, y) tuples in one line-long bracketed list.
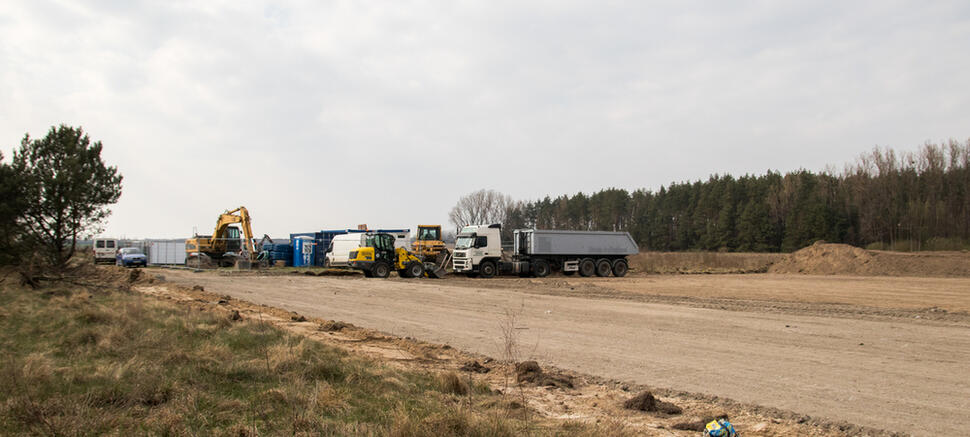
[(485, 219), (829, 340)]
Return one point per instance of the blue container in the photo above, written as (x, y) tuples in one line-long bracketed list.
[(303, 251), (321, 242)]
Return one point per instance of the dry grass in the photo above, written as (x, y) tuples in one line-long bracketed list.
[(98, 362), (703, 262)]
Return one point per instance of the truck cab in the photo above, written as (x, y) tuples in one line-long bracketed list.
[(478, 250)]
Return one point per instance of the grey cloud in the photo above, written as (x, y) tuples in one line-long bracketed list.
[(327, 115)]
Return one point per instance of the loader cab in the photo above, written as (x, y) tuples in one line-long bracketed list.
[(383, 245)]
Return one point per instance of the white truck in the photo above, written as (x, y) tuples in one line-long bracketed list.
[(539, 253)]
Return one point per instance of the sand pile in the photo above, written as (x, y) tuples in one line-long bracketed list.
[(841, 259), (826, 259)]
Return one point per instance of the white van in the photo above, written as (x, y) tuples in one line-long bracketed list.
[(105, 250), (340, 248)]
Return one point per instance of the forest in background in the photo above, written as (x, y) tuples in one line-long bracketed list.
[(884, 200)]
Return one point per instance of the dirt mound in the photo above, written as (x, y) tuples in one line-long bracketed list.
[(645, 401), (530, 372), (824, 258), (474, 366), (333, 326)]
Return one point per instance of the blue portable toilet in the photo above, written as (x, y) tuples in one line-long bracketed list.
[(303, 251)]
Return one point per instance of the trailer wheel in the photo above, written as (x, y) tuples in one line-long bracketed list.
[(381, 270), (487, 269), (620, 267), (541, 268), (603, 267), (415, 269), (587, 267)]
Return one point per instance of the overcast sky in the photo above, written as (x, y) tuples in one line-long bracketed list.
[(319, 115)]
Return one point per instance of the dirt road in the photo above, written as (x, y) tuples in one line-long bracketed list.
[(896, 372)]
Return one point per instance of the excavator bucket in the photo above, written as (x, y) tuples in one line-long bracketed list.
[(438, 270), (432, 270)]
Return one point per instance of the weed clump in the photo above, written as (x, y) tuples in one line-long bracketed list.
[(450, 383)]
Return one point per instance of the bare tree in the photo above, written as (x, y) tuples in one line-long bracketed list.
[(480, 207)]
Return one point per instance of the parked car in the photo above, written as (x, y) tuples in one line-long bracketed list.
[(131, 256)]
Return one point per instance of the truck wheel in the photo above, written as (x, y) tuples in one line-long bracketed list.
[(540, 268), (415, 269), (620, 267), (487, 269), (603, 267), (587, 267), (381, 270)]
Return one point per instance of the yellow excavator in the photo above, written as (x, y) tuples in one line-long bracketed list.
[(379, 257), (224, 247), (428, 245)]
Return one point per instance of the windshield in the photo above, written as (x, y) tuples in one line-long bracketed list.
[(429, 234), (465, 242), (131, 251)]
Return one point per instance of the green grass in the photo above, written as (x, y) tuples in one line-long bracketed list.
[(76, 363)]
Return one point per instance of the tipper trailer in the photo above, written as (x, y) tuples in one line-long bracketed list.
[(478, 252)]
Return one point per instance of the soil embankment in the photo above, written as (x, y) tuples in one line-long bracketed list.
[(841, 259)]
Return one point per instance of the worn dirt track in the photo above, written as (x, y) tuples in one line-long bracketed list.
[(894, 371)]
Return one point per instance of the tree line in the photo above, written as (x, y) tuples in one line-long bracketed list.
[(885, 199)]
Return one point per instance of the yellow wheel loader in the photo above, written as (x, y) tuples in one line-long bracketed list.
[(224, 247), (379, 257)]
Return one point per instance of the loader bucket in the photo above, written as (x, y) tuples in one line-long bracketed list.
[(433, 270)]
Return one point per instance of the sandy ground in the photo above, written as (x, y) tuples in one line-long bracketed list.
[(889, 353)]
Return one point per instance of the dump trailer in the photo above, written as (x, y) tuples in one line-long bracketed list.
[(539, 253)]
